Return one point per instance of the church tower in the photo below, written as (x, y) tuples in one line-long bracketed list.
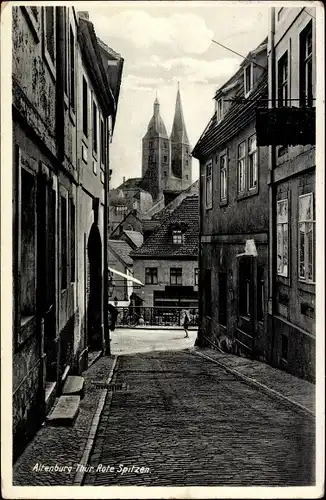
[(156, 155), (180, 148)]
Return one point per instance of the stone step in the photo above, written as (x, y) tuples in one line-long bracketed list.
[(65, 411), (50, 395), (74, 386)]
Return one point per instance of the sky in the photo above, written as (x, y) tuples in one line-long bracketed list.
[(163, 43)]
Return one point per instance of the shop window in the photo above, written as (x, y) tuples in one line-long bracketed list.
[(306, 238), (282, 238)]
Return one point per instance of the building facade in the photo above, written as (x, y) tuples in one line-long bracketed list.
[(292, 84), (167, 262), (234, 216), (61, 117)]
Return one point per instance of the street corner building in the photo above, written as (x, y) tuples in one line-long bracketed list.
[(65, 88), (257, 203)]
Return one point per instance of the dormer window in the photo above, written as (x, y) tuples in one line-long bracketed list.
[(248, 79), (219, 110), (177, 237)]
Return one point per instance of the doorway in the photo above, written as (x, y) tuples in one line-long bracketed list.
[(94, 306)]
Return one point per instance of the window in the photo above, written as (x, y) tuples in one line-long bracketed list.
[(219, 109), (165, 144), (150, 144), (248, 79), (306, 69), (196, 276), (241, 167), (208, 292), (283, 84), (245, 287), (306, 238), (176, 276), (63, 243), (187, 162), (85, 107), (72, 241), (222, 298), (260, 293), (177, 237), (252, 162), (151, 275), (94, 127), (223, 177), (102, 143), (50, 31), (282, 237), (165, 159), (209, 185), (72, 69)]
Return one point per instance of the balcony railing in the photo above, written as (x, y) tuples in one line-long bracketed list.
[(138, 317)]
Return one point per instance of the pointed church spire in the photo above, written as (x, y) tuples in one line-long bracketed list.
[(156, 127), (179, 132)]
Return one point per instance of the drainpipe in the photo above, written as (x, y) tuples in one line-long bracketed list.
[(200, 334), (272, 190), (107, 340)]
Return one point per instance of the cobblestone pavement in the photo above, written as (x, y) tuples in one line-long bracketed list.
[(62, 447), (183, 420)]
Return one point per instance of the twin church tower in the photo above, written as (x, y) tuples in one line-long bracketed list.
[(166, 161)]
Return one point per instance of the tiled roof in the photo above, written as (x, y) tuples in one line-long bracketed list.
[(240, 114), (132, 183), (159, 244), (122, 250), (135, 236)]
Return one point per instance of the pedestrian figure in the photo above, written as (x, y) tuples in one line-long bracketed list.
[(186, 324), (113, 317)]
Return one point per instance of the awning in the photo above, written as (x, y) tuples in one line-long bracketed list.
[(126, 276)]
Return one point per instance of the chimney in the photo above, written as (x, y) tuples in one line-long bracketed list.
[(84, 15), (124, 179)]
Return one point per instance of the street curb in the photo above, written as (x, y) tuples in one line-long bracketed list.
[(264, 388), (97, 357), (80, 474)]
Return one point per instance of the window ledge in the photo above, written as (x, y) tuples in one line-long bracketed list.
[(307, 286), (247, 194), (223, 203), (209, 208), (285, 280)]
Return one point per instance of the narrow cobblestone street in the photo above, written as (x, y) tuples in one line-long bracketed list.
[(186, 421)]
